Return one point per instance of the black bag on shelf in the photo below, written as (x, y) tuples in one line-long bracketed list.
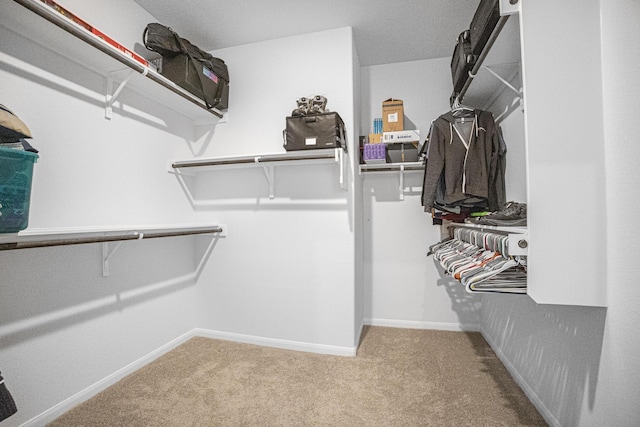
[(188, 66), (482, 25), (461, 61), (313, 131)]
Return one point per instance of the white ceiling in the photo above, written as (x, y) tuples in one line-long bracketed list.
[(385, 31)]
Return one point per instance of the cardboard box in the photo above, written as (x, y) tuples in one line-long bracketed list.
[(402, 152), (375, 138), (392, 115), (401, 136)]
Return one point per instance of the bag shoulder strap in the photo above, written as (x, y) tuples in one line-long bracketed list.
[(201, 77)]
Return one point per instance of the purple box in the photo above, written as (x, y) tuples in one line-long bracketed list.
[(375, 153)]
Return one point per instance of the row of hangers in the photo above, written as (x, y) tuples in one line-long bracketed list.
[(489, 241), (481, 267)]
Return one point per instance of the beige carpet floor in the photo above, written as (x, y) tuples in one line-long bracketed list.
[(400, 377)]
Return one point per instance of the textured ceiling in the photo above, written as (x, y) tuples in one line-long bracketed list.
[(385, 31)]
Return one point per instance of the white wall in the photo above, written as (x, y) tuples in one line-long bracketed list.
[(285, 274), (581, 364), (64, 329)]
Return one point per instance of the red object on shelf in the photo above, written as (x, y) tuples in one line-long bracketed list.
[(64, 12), (118, 46), (84, 24)]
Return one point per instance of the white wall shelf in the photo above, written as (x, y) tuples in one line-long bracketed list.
[(396, 168), (266, 161), (34, 238), (496, 74), (39, 23), (479, 61), (392, 167)]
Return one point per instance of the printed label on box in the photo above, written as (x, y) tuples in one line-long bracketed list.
[(392, 118), (401, 136), (310, 141)]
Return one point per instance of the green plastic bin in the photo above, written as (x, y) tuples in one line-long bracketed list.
[(16, 174)]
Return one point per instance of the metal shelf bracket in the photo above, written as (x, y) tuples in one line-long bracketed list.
[(341, 161), (269, 172), (106, 255), (110, 97), (503, 80), (401, 179)]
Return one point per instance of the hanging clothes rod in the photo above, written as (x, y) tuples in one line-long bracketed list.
[(322, 154), (82, 237), (509, 242), (66, 241), (504, 230)]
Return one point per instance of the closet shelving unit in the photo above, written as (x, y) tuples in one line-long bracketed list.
[(34, 238), (268, 162), (483, 87), (41, 24), (399, 168), (37, 22), (495, 69)]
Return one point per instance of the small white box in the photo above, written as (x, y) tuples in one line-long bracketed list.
[(401, 136)]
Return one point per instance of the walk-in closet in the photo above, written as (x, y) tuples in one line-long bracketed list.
[(169, 237)]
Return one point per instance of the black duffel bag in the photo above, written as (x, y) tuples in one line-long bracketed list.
[(189, 66)]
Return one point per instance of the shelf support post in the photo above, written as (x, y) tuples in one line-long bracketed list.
[(111, 98), (106, 255), (401, 177), (269, 173), (340, 158)]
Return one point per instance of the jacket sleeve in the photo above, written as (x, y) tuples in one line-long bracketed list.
[(497, 187), (434, 167)]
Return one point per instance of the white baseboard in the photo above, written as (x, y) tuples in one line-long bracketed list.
[(533, 397), (277, 343), (416, 324), (84, 395)]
